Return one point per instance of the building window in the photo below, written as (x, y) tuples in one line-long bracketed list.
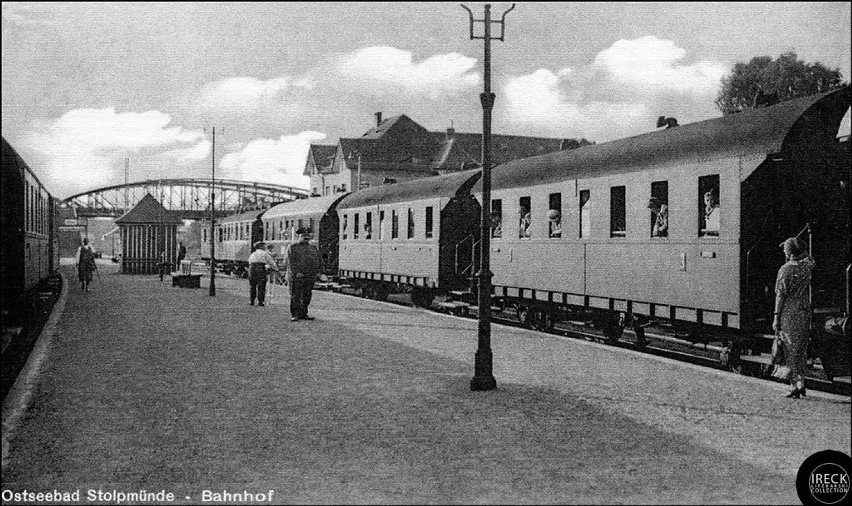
[(327, 190), (554, 215), (658, 204), (381, 224), (355, 225), (343, 188), (368, 226), (410, 234), (311, 225), (524, 218), (345, 225), (429, 222), (394, 225), (496, 218), (709, 206), (617, 211)]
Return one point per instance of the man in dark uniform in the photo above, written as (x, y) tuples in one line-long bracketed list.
[(258, 261), (303, 265)]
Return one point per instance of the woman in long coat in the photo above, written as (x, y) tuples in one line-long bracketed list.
[(792, 322), (85, 264)]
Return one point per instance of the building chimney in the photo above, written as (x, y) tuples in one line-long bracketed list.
[(378, 119), (450, 133)]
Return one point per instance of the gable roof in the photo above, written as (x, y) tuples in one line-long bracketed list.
[(148, 210), (320, 154)]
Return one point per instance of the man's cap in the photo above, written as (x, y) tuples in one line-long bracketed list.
[(259, 244), (303, 231)]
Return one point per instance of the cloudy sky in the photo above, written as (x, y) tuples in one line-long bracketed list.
[(86, 85)]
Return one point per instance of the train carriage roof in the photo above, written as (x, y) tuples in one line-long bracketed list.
[(753, 133), (243, 216), (447, 185), (313, 205)]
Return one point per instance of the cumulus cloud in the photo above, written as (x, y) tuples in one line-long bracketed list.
[(379, 67), (619, 94), (86, 147), (650, 64), (243, 92), (277, 161)]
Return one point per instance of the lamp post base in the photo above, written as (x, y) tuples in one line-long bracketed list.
[(483, 378)]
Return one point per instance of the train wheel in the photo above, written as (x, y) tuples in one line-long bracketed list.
[(523, 313), (369, 291), (382, 293), (422, 297), (612, 328), (639, 330)]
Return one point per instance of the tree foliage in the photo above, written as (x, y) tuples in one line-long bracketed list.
[(766, 81)]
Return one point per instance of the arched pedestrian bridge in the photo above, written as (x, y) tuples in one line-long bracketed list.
[(189, 197)]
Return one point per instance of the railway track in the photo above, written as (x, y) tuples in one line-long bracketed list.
[(657, 344)]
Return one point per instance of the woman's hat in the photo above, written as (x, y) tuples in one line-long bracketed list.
[(303, 231), (654, 202), (553, 214)]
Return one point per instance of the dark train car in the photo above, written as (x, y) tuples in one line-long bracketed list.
[(419, 235), (28, 240), (317, 214)]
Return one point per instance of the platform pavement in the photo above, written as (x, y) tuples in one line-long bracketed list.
[(147, 386)]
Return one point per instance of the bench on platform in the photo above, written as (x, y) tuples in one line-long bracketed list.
[(454, 307)]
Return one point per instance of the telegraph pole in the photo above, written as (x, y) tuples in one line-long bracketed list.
[(483, 377), (213, 219)]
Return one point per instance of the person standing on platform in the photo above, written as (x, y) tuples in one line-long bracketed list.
[(85, 264), (258, 260), (181, 254), (792, 322), (303, 265)]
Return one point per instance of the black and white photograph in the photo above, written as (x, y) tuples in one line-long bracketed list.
[(426, 253)]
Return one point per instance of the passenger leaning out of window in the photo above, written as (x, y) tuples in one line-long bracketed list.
[(711, 213), (524, 226), (660, 218), (555, 219)]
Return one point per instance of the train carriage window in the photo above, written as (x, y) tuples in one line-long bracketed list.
[(410, 233), (355, 225), (281, 230), (585, 216), (554, 215), (381, 224), (429, 222), (394, 225), (658, 204), (496, 218), (524, 218), (345, 225), (708, 206), (368, 226), (617, 211)]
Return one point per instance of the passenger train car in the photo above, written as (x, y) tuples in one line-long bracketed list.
[(770, 173), (318, 215), (574, 236), (235, 235), (29, 236)]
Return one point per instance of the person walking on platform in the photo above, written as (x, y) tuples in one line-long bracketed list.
[(303, 265), (85, 264), (792, 322), (258, 261)]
